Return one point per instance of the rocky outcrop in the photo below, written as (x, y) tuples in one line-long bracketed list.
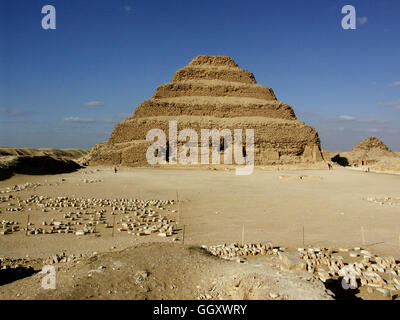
[(35, 165), (213, 92), (38, 161)]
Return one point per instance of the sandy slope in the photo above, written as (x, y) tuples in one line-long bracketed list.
[(166, 271)]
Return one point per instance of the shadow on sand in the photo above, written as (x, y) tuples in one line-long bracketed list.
[(14, 274), (340, 293), (342, 161), (38, 165)]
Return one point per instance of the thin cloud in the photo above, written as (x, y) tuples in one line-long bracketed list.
[(78, 119), (373, 121), (390, 104), (397, 131), (94, 104), (342, 118), (347, 118), (87, 120), (396, 84), (345, 130), (127, 8), (16, 112), (362, 130), (362, 20)]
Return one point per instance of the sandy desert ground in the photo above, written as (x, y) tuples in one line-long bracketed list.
[(331, 205), (341, 208)]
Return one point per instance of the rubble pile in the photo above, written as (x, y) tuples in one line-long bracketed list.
[(358, 267), (235, 250), (390, 201), (20, 187)]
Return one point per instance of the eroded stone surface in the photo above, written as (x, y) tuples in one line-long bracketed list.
[(213, 92)]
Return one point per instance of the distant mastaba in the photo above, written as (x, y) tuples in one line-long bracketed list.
[(213, 92)]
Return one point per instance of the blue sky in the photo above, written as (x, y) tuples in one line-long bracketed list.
[(68, 87)]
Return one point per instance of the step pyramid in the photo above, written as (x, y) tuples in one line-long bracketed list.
[(213, 92)]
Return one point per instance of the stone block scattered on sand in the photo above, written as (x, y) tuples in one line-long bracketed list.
[(292, 261)]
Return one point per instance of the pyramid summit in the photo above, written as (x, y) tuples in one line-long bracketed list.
[(213, 92)]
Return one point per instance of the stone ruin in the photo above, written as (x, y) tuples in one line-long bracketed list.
[(213, 92), (367, 152)]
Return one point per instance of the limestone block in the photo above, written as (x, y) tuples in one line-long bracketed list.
[(292, 261)]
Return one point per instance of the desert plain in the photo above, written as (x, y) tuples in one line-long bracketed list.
[(290, 208)]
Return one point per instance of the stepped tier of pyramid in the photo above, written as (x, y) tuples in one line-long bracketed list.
[(213, 92), (368, 152)]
